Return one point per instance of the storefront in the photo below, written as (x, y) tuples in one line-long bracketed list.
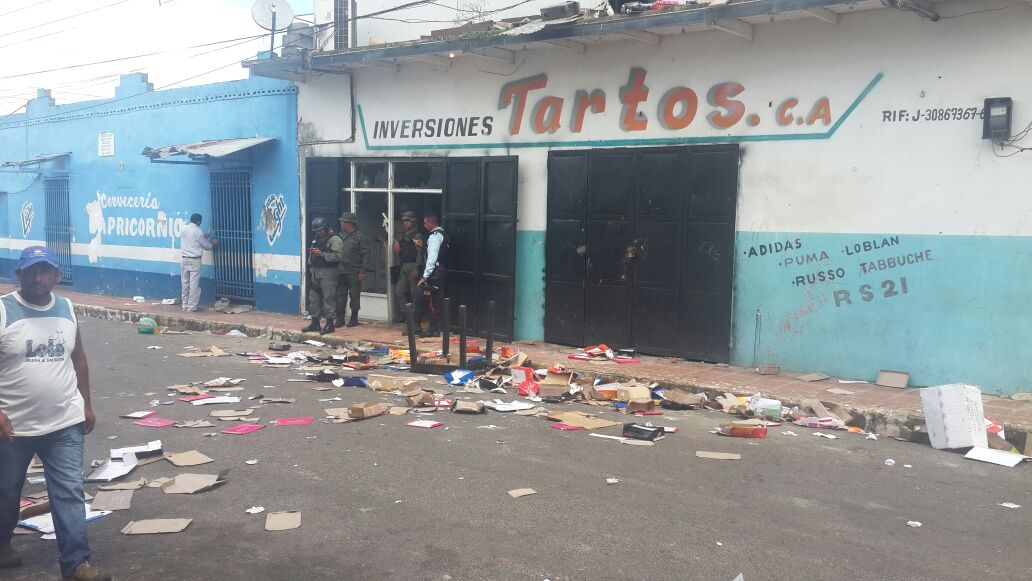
[(801, 184)]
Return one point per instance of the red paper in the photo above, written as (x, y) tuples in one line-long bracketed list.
[(155, 423), (303, 421), (567, 427), (242, 429), (139, 415), (625, 360), (671, 429), (195, 397), (23, 503), (644, 413), (442, 403), (527, 388)]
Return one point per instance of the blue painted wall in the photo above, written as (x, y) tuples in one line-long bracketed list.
[(951, 312), (126, 211)]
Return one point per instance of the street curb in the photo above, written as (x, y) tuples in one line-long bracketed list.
[(871, 419)]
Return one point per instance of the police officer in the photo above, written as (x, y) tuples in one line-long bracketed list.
[(323, 266), (356, 259), (434, 269), (408, 247)]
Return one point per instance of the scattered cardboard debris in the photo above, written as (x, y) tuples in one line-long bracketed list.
[(283, 521), (839, 391), (133, 485), (888, 378), (998, 457), (717, 455), (519, 492), (112, 469), (227, 414), (812, 377), (369, 409), (156, 526), (581, 420), (216, 400), (193, 424), (213, 351), (468, 407), (194, 483), (768, 370), (191, 458), (631, 442), (267, 400), (398, 410), (112, 500)]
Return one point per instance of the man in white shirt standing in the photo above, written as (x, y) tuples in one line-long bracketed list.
[(44, 409), (195, 242)]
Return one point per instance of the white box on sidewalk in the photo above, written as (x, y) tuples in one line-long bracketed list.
[(954, 416)]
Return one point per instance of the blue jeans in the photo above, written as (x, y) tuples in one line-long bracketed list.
[(62, 455)]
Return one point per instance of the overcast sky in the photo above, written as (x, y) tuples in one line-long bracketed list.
[(38, 35)]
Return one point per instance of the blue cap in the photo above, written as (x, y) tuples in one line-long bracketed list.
[(36, 254)]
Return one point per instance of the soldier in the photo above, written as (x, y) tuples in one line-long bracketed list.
[(356, 259), (323, 265), (408, 246)]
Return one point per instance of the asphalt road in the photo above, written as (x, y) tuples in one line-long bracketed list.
[(380, 500)]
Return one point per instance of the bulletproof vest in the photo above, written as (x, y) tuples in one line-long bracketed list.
[(409, 250), (323, 246)]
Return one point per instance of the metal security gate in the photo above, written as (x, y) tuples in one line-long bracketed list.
[(231, 223), (480, 219), (57, 224), (639, 249)]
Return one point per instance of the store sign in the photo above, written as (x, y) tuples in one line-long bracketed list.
[(531, 113)]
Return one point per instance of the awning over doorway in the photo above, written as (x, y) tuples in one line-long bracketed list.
[(35, 160), (17, 175), (204, 150)]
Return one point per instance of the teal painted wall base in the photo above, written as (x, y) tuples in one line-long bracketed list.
[(947, 309), (530, 284)]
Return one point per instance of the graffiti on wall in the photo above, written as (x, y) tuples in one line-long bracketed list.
[(127, 217), (27, 214), (274, 211), (863, 259)]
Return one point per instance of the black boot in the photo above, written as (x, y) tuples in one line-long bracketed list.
[(353, 321), (328, 328), (338, 322), (312, 327)]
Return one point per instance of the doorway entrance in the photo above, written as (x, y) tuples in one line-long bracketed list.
[(231, 223), (639, 249), (57, 224), (475, 197)]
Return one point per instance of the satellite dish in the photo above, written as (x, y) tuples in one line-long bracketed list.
[(272, 15)]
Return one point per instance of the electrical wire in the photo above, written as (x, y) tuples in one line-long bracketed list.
[(126, 58), (33, 5), (984, 11), (63, 30), (69, 17)]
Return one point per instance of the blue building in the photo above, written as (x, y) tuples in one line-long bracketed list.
[(110, 184)]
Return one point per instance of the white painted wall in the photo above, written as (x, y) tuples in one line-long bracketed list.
[(924, 177)]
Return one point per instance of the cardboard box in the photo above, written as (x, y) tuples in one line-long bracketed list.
[(954, 416), (887, 378), (422, 398), (468, 407), (389, 382), (684, 398), (634, 393), (640, 406), (545, 390), (369, 409)]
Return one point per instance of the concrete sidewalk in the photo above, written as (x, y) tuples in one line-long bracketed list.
[(884, 408)]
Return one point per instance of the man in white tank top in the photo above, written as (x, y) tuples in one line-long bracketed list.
[(44, 409)]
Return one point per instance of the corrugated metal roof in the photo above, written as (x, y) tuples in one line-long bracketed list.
[(214, 148), (38, 159)]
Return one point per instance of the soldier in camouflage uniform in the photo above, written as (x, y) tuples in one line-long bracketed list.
[(408, 246), (356, 259), (323, 266)]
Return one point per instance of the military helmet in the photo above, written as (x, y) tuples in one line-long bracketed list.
[(319, 224)]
